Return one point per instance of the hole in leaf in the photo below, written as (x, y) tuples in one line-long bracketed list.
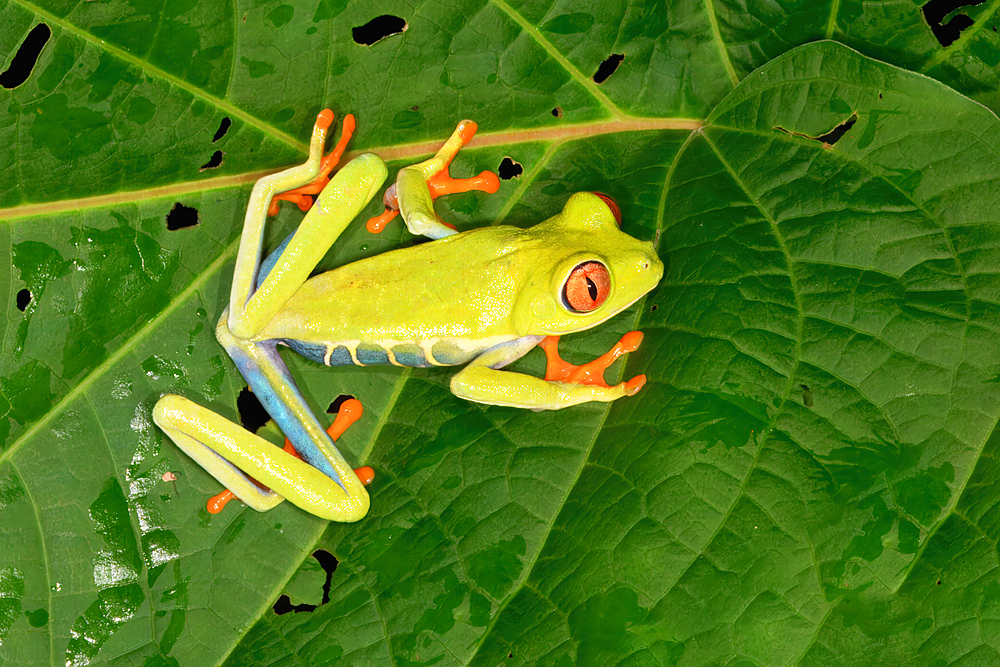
[(337, 402), (214, 162), (608, 67), (378, 29), (509, 169), (182, 216), (328, 562), (557, 112), (807, 396), (252, 413), (653, 309), (283, 605), (831, 137), (23, 299), (26, 57), (223, 128), (936, 11)]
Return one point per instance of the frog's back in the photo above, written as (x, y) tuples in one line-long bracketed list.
[(426, 305)]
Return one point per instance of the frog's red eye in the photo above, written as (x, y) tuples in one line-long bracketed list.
[(613, 205), (587, 287)]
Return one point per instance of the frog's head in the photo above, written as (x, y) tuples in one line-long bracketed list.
[(594, 270)]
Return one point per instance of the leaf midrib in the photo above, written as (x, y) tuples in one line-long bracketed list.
[(556, 134)]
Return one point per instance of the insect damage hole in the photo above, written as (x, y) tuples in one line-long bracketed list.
[(337, 402), (936, 11), (378, 29), (223, 128), (608, 67), (557, 112), (182, 216), (252, 413), (26, 57), (509, 169), (23, 299), (328, 562), (214, 162), (829, 138)]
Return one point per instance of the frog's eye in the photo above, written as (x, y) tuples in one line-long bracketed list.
[(613, 205), (587, 287)]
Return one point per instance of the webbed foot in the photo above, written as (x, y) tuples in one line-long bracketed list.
[(556, 369), (437, 177), (301, 196)]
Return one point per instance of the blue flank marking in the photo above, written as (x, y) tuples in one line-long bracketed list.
[(371, 355), (312, 351), (280, 413), (272, 259), (341, 356), (415, 359)]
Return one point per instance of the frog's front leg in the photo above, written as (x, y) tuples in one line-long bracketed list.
[(482, 381), (418, 185)]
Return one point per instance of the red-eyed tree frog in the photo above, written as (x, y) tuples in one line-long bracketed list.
[(482, 298)]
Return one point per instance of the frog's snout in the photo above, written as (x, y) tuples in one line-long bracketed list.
[(651, 265)]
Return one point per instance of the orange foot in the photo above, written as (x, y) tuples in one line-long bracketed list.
[(300, 196), (592, 372), (440, 183), (350, 412)]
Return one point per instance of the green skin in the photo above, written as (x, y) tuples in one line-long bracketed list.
[(483, 297)]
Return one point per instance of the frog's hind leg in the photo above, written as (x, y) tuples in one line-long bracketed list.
[(225, 450), (244, 278), (349, 412), (274, 387), (259, 292)]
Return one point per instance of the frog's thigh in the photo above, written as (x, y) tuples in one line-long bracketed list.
[(342, 199), (226, 451)]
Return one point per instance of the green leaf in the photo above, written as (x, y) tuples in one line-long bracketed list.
[(806, 478)]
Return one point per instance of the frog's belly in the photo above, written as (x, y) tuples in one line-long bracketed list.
[(432, 352)]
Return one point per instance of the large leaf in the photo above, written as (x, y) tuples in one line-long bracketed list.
[(806, 478)]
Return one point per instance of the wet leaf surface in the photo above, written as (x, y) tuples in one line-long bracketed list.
[(807, 477)]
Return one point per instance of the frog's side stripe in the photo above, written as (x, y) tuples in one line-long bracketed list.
[(370, 355), (409, 355), (338, 355), (311, 351), (449, 352), (430, 352)]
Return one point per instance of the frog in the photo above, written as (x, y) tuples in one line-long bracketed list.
[(480, 298)]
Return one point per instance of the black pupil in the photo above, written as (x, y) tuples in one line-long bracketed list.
[(592, 288)]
